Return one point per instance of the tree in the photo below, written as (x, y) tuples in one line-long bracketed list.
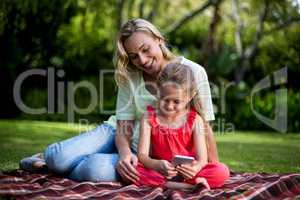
[(247, 53)]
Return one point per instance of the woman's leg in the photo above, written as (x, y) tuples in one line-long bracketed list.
[(96, 167), (63, 156)]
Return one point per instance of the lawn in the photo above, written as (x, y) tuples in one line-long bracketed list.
[(241, 151)]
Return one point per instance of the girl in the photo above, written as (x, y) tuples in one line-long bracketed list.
[(173, 128)]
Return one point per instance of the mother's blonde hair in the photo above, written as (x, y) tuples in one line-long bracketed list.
[(122, 62)]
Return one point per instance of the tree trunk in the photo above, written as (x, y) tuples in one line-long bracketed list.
[(243, 64), (209, 47), (120, 13)]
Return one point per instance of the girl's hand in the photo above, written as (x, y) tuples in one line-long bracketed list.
[(188, 171), (126, 167), (166, 168)]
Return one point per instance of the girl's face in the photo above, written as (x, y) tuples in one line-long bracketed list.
[(173, 100), (144, 52)]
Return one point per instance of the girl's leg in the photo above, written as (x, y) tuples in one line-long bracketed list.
[(96, 167), (214, 173), (149, 177), (63, 156), (179, 185), (202, 181)]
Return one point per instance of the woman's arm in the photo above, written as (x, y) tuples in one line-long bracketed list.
[(204, 97), (123, 136), (125, 113), (127, 161), (212, 150)]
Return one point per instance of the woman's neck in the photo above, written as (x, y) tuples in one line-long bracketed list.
[(153, 77), (150, 80)]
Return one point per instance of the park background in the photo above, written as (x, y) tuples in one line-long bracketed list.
[(239, 43)]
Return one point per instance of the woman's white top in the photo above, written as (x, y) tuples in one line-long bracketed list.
[(133, 99)]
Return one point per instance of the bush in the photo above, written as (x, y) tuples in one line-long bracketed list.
[(241, 114)]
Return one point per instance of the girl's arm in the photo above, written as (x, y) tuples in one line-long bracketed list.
[(200, 141), (162, 166), (188, 171), (144, 144)]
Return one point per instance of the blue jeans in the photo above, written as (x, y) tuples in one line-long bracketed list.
[(90, 156)]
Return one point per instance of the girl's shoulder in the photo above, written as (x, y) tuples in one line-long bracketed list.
[(150, 111), (145, 119), (199, 122), (149, 116)]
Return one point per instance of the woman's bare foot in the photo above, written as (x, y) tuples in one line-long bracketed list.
[(33, 163), (202, 181), (39, 164)]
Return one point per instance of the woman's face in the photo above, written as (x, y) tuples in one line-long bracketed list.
[(144, 52)]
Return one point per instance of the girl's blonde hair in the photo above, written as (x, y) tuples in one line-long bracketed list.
[(184, 78), (122, 62)]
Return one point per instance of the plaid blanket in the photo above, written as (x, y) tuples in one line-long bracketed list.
[(23, 185)]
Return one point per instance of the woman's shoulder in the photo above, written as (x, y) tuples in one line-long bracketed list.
[(197, 69), (133, 80), (186, 61), (135, 75), (193, 65)]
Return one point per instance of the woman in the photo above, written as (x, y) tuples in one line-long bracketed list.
[(111, 147)]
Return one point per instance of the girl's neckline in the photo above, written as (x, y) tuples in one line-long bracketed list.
[(184, 124), (183, 121)]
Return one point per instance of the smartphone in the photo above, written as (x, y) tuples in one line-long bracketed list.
[(179, 159)]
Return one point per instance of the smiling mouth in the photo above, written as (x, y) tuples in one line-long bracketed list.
[(169, 111), (150, 65)]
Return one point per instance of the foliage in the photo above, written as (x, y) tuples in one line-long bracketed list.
[(239, 99)]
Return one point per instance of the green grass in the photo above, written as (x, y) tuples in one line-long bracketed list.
[(241, 151), (260, 151)]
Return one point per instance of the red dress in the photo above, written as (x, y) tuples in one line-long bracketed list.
[(167, 142)]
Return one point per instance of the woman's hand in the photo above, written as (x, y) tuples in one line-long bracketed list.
[(188, 171), (127, 168), (166, 168)]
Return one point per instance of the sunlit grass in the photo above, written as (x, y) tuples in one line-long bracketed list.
[(241, 151), (23, 138), (260, 151)]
